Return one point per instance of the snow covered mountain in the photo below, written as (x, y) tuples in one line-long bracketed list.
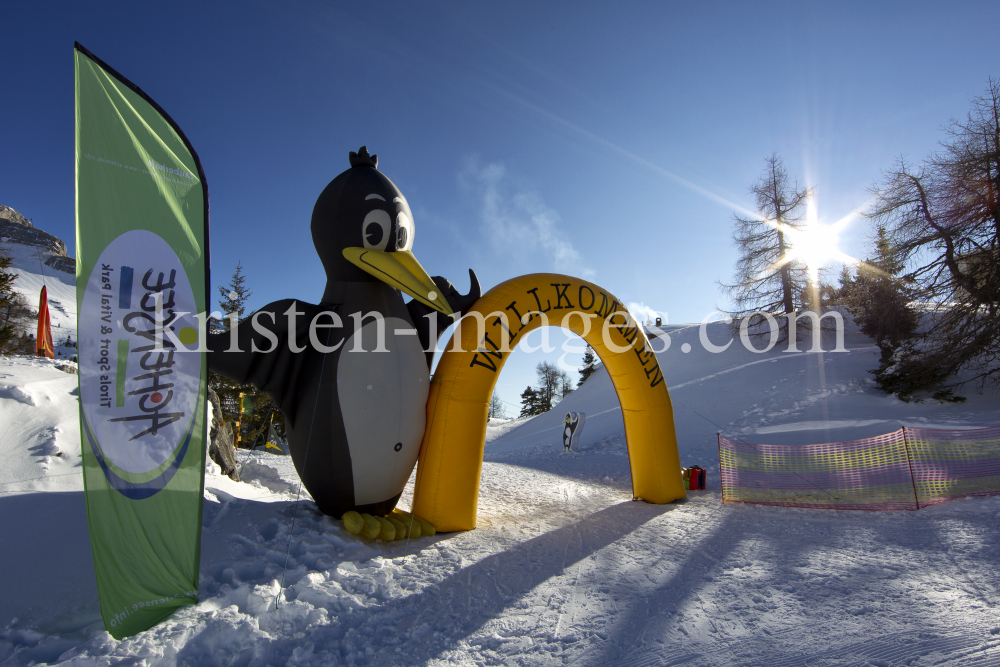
[(563, 569), (40, 258)]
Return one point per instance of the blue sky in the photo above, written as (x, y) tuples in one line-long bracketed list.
[(608, 141)]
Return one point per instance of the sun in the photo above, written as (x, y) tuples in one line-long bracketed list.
[(816, 244)]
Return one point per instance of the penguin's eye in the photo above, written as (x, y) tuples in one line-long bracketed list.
[(375, 229), (404, 232)]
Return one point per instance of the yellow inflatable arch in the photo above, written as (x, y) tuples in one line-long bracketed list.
[(451, 455)]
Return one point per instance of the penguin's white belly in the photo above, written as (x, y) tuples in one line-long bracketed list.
[(383, 400)]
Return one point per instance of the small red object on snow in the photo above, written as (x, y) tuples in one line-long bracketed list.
[(695, 479)]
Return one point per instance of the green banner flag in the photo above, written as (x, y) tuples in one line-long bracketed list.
[(141, 283)]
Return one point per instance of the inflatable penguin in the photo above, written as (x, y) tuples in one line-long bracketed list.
[(351, 374)]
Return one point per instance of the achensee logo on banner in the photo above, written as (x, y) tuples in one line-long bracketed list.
[(139, 387)]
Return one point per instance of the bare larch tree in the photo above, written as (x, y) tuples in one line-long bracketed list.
[(767, 278), (943, 220)]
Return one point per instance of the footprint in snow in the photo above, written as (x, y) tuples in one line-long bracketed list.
[(47, 445)]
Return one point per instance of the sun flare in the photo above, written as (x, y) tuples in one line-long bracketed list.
[(815, 244)]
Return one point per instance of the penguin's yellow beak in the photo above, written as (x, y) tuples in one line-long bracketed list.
[(401, 270)]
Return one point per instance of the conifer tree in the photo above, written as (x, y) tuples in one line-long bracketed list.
[(233, 301), (234, 297), (7, 295), (15, 313), (529, 403), (589, 359), (879, 299)]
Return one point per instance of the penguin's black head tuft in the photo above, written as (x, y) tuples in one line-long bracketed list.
[(360, 208), (363, 159)]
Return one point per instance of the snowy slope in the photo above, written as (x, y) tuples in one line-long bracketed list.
[(775, 397), (32, 274), (563, 568)]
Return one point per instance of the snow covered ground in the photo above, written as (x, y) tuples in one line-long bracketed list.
[(564, 569)]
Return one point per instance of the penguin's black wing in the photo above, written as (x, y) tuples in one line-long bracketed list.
[(460, 303), (272, 350)]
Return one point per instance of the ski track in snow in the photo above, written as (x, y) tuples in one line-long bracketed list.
[(590, 578), (563, 568), (759, 361)]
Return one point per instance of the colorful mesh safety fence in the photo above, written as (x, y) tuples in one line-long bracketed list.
[(952, 464), (907, 469)]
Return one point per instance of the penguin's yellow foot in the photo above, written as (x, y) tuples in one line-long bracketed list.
[(397, 525), (416, 525)]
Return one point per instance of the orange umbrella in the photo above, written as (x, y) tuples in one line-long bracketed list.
[(43, 346)]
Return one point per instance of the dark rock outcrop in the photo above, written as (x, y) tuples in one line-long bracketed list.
[(12, 216), (59, 263), (15, 228)]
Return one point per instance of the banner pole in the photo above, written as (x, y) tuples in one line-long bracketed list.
[(909, 461), (721, 484)]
